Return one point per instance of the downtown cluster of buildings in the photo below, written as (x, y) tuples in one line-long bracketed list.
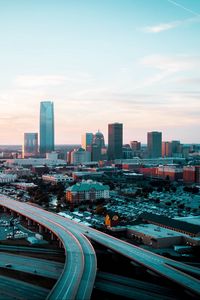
[(93, 147), (156, 159)]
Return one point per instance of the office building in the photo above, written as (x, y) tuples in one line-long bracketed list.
[(166, 149), (86, 140), (135, 145), (95, 152), (30, 146), (46, 127), (136, 148), (176, 148), (154, 144), (115, 141), (98, 139), (80, 156), (98, 146), (127, 151)]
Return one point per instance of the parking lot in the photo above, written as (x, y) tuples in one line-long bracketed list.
[(9, 231)]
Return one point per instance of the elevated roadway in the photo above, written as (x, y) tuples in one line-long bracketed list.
[(81, 256), (12, 289), (78, 276), (31, 265)]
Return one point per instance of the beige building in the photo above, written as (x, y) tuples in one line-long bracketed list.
[(87, 191)]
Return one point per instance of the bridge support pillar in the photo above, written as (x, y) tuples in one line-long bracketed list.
[(12, 213), (60, 244), (29, 221), (52, 236), (40, 229)]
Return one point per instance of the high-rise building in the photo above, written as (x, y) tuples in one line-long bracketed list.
[(166, 149), (46, 127), (127, 151), (115, 141), (98, 139), (136, 148), (154, 144), (98, 146), (176, 148), (96, 152), (135, 145), (30, 146), (86, 140)]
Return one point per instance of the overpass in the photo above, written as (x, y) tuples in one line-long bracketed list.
[(78, 276)]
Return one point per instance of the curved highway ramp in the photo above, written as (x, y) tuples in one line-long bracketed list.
[(78, 276)]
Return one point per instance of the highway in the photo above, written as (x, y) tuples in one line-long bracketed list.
[(78, 276), (11, 289), (41, 267), (134, 283), (12, 248), (80, 268), (128, 292)]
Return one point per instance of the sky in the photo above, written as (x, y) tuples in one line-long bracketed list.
[(100, 61)]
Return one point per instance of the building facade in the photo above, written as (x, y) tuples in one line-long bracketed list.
[(115, 141), (166, 149), (30, 146), (87, 191), (86, 140), (80, 156), (154, 144), (46, 127)]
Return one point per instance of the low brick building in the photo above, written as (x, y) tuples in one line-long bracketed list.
[(87, 191)]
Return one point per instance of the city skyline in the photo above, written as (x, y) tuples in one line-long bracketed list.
[(100, 63)]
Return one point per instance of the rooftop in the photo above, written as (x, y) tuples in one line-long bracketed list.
[(155, 231)]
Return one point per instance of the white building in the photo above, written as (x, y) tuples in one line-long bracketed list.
[(159, 237), (148, 161), (55, 178), (52, 155), (7, 178), (34, 162), (80, 156)]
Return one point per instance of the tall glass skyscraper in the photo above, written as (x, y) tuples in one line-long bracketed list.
[(115, 141), (46, 127), (86, 140), (154, 144)]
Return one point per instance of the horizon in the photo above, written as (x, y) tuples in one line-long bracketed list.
[(101, 62)]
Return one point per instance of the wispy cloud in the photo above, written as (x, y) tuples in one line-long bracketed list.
[(165, 68), (32, 81), (26, 81), (184, 8), (170, 25), (175, 63), (188, 81)]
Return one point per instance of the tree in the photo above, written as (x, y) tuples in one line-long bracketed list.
[(181, 206)]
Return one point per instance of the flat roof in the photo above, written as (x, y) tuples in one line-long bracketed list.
[(155, 231), (190, 219)]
